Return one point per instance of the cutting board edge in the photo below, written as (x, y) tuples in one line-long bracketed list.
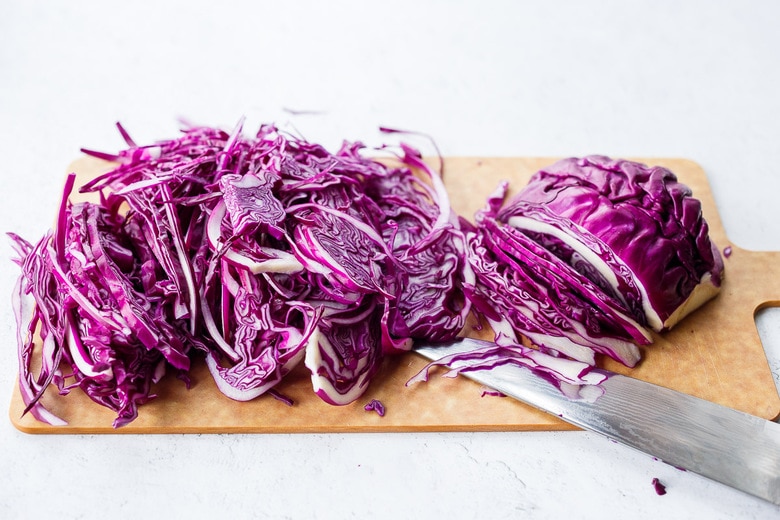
[(459, 428)]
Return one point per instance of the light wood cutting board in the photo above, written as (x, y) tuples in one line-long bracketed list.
[(715, 354)]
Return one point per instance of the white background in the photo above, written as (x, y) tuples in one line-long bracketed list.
[(660, 78)]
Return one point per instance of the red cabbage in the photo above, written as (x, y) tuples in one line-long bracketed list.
[(375, 406), (266, 253), (641, 215), (579, 262), (258, 253), (658, 486)]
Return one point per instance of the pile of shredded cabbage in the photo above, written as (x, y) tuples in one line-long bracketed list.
[(262, 253)]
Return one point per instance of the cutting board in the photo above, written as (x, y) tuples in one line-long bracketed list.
[(715, 354)]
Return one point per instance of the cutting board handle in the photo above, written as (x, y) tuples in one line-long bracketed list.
[(757, 273)]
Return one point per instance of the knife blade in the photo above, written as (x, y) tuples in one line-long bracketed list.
[(725, 445)]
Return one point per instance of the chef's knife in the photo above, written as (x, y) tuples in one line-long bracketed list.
[(725, 445)]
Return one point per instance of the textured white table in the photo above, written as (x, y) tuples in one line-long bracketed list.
[(698, 80)]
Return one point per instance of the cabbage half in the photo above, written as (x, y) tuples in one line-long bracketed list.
[(586, 260), (635, 230)]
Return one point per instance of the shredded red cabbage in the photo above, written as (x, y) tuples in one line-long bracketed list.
[(261, 253)]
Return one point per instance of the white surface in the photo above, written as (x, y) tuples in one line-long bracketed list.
[(698, 80)]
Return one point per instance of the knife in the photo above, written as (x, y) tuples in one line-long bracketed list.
[(731, 447)]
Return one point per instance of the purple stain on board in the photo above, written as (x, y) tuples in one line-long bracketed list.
[(660, 489), (375, 406), (727, 251)]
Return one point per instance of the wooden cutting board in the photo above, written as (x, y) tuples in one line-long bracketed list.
[(715, 354)]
